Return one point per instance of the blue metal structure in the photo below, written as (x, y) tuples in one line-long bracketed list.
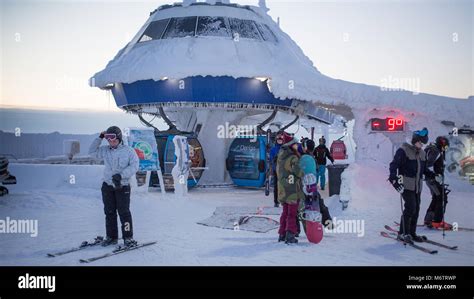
[(246, 162), (197, 90)]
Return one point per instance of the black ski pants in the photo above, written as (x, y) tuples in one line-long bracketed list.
[(411, 211), (117, 200), (436, 205)]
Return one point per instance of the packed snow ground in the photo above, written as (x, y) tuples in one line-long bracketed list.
[(70, 213)]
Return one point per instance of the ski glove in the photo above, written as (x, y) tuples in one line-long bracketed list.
[(439, 179), (397, 186), (116, 179)]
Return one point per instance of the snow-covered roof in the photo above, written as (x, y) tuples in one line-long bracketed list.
[(270, 54)]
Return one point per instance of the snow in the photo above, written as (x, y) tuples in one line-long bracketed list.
[(70, 213)]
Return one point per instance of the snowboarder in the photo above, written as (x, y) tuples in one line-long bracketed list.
[(308, 165), (321, 153), (273, 160), (406, 174), (121, 163), (290, 192), (435, 157)]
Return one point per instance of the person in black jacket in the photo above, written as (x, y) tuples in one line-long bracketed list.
[(406, 174), (435, 159), (321, 153)]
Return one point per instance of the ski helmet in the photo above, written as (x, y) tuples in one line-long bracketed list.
[(442, 142), (420, 135), (115, 130)]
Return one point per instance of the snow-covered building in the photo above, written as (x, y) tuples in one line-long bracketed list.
[(215, 63)]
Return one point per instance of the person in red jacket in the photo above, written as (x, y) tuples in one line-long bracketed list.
[(321, 153)]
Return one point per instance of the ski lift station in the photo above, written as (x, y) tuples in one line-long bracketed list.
[(224, 74)]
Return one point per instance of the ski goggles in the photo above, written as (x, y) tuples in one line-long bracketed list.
[(110, 136)]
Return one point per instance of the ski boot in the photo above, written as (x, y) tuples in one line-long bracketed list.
[(428, 218), (405, 238), (441, 225), (281, 238), (290, 238), (418, 238), (276, 205), (109, 241), (129, 242)]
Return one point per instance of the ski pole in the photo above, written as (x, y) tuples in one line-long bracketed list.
[(442, 194), (403, 220)]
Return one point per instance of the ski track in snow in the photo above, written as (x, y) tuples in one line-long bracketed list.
[(68, 215)]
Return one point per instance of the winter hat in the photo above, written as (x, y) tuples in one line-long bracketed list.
[(115, 130), (287, 138), (420, 135)]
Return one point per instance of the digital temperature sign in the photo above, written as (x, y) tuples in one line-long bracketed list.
[(388, 124)]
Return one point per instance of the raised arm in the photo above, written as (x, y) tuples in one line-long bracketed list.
[(95, 150)]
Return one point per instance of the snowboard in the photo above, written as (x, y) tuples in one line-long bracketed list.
[(312, 221)]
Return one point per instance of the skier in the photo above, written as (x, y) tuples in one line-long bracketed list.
[(435, 157), (273, 160), (290, 192), (321, 153), (308, 165), (406, 174), (121, 163)]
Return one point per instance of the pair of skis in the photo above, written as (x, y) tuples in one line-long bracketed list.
[(463, 229), (97, 241), (392, 233)]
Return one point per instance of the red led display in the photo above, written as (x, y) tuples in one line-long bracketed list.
[(388, 124)]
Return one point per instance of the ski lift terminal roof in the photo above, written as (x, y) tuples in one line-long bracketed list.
[(187, 40)]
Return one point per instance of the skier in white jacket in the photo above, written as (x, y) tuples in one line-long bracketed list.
[(121, 163)]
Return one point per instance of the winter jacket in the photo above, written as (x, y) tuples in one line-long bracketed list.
[(273, 156), (122, 160), (321, 152), (289, 176), (410, 162)]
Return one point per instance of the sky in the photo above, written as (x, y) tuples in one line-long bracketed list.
[(49, 49)]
